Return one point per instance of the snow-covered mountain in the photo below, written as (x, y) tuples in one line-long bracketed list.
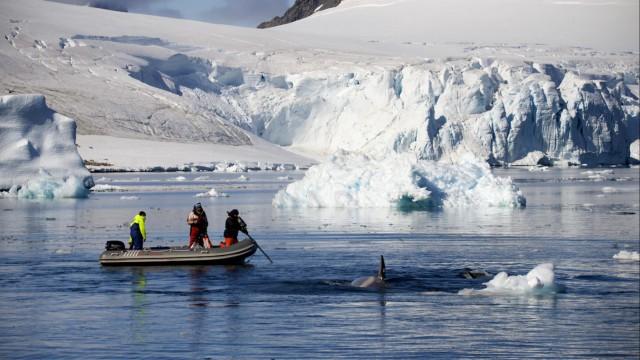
[(354, 77), (300, 10)]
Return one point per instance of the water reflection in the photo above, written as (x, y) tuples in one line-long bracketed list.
[(198, 303), (138, 313)]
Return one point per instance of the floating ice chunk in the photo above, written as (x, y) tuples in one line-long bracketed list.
[(533, 158), (104, 179), (634, 152), (106, 188), (609, 189), (538, 168), (135, 179), (243, 178), (178, 178), (538, 281), (129, 198), (285, 178), (201, 178), (599, 175), (357, 180), (46, 186), (212, 193), (235, 168), (627, 255)]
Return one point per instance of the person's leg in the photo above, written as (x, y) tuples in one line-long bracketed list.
[(193, 236), (137, 242)]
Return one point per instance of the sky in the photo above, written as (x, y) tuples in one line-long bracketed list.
[(231, 12)]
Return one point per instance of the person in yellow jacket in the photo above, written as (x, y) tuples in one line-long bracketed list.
[(137, 231)]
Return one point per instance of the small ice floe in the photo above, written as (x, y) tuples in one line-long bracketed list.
[(243, 178), (63, 251), (135, 179), (609, 190), (599, 175), (201, 178), (106, 188), (538, 168), (104, 180), (177, 178), (236, 168), (540, 280), (129, 198), (211, 193), (627, 255), (285, 178)]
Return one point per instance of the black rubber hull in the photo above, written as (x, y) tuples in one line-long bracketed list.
[(235, 254)]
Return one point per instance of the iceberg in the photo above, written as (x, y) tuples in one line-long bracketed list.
[(627, 255), (353, 180), (38, 156), (540, 280)]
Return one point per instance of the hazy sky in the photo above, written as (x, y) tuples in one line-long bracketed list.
[(232, 12)]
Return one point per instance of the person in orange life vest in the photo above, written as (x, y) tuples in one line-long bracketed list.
[(232, 226), (197, 219)]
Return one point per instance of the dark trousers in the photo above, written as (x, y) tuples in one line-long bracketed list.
[(137, 240)]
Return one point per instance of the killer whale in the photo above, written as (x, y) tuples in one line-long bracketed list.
[(372, 281)]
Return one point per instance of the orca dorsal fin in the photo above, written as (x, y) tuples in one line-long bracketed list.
[(381, 269)]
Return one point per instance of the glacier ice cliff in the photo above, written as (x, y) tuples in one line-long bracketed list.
[(500, 110)]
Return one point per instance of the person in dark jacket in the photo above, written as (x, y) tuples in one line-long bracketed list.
[(137, 231), (232, 226), (197, 219)]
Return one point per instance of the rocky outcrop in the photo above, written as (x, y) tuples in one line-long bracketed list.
[(300, 10)]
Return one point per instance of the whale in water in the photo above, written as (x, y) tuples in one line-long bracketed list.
[(372, 281)]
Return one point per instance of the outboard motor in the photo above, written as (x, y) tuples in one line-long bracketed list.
[(114, 245)]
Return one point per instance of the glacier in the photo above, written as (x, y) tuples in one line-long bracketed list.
[(502, 111), (141, 78), (351, 180), (38, 156)]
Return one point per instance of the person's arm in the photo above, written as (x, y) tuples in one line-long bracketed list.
[(192, 218), (143, 231)]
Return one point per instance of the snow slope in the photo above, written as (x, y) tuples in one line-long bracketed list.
[(599, 24), (38, 156), (431, 93)]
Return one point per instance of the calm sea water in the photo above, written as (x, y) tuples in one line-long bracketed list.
[(56, 301)]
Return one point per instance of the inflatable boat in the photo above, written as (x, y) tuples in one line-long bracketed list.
[(116, 255)]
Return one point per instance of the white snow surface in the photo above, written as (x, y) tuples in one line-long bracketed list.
[(539, 280), (486, 79), (401, 180), (600, 24), (627, 255), (38, 156)]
